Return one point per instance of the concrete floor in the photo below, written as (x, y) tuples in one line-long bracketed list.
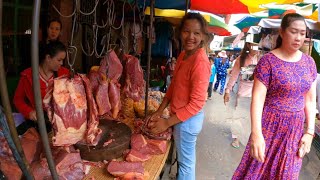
[(217, 159)]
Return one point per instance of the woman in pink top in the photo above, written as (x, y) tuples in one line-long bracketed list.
[(240, 105), (186, 94)]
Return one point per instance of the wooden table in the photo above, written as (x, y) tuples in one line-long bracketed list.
[(153, 167)]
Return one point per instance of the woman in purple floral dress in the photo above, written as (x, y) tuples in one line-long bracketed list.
[(283, 99)]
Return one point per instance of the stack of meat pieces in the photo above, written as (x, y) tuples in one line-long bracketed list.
[(105, 85), (72, 111), (68, 165), (141, 150), (30, 142), (68, 161), (134, 84)]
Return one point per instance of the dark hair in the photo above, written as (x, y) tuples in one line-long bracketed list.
[(54, 20), (51, 49), (200, 19), (244, 54), (286, 22)]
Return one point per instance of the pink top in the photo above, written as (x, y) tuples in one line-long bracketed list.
[(245, 87)]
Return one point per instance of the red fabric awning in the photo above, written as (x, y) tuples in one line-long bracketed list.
[(219, 7)]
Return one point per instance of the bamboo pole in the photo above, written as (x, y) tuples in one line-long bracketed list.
[(149, 55), (36, 88)]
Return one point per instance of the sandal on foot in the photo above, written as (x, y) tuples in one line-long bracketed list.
[(235, 144)]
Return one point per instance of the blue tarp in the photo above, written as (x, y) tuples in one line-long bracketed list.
[(163, 35), (165, 4)]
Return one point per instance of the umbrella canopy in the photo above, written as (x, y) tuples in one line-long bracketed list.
[(245, 23), (219, 7), (255, 5), (165, 4), (275, 23), (174, 16)]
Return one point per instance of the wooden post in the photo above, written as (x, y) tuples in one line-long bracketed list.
[(149, 54)]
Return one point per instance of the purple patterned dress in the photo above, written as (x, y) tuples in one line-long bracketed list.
[(282, 118)]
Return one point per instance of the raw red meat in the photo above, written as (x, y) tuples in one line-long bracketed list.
[(30, 142), (155, 147), (120, 168), (136, 156), (31, 145), (68, 162), (95, 78), (108, 142), (131, 176), (93, 132), (134, 83), (114, 97), (114, 66), (102, 97), (70, 111), (10, 169), (148, 146), (40, 170), (138, 142)]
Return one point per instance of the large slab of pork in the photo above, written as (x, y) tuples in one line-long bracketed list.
[(93, 132), (134, 86), (148, 146), (115, 68), (69, 116)]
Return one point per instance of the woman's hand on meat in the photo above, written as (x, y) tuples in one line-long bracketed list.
[(258, 147), (226, 98), (154, 115), (33, 115), (158, 125), (305, 143)]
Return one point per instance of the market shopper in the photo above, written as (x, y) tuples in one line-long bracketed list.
[(243, 69), (283, 98), (212, 76), (186, 94), (53, 30), (50, 61), (222, 64)]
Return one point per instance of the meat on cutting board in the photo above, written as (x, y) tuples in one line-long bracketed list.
[(138, 141), (134, 84), (69, 111), (120, 168), (137, 156), (93, 133)]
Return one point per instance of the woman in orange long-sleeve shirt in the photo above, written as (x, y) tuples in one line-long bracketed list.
[(51, 59), (187, 94)]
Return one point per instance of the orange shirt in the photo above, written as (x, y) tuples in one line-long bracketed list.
[(188, 89)]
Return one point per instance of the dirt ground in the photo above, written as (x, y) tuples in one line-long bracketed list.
[(217, 159)]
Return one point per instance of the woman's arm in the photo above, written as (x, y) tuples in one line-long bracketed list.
[(310, 104), (257, 141), (19, 99)]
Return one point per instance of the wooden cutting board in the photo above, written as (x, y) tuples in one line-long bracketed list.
[(120, 134)]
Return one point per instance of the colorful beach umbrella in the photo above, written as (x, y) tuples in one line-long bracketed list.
[(255, 5), (219, 6), (214, 24), (245, 23)]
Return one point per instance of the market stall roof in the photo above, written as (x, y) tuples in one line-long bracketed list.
[(254, 30), (275, 23), (214, 25)]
